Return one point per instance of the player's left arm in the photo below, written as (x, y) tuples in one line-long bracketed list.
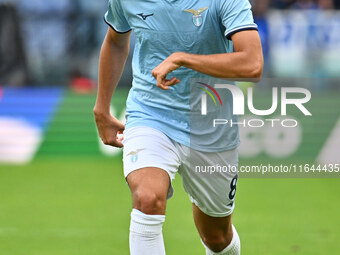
[(245, 62)]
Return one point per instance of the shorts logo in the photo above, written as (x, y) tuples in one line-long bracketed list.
[(197, 17), (134, 155)]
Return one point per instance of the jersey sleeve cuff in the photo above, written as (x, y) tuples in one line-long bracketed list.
[(115, 29), (230, 33)]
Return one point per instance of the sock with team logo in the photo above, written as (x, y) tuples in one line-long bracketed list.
[(146, 236), (234, 248)]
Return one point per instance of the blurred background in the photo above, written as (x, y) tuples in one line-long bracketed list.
[(57, 42), (59, 183)]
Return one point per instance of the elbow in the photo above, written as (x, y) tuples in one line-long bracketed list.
[(256, 70)]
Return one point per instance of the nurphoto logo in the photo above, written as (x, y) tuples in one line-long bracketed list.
[(283, 100)]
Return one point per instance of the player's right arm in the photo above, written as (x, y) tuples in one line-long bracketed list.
[(113, 55)]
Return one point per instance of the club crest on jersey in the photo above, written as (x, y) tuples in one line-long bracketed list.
[(197, 17)]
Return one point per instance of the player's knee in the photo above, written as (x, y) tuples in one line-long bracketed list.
[(149, 202), (216, 242)]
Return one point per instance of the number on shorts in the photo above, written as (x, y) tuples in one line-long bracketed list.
[(233, 187)]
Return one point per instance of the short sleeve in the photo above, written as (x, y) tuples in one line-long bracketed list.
[(115, 18), (236, 16)]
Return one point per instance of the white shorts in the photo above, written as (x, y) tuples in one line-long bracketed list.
[(210, 178)]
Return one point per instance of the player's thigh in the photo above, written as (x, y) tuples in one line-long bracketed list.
[(214, 231), (150, 164), (149, 188)]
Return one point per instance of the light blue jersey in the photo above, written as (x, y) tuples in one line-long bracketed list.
[(162, 27)]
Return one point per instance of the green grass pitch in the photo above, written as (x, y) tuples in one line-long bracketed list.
[(81, 206)]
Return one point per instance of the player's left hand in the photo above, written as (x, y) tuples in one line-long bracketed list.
[(160, 73)]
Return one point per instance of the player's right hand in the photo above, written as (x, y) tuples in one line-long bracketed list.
[(110, 129)]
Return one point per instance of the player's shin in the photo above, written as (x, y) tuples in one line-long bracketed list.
[(234, 248), (146, 236)]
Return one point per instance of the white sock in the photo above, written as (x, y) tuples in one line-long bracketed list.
[(146, 236), (234, 248)]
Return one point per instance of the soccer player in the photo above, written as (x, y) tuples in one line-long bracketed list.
[(176, 41)]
